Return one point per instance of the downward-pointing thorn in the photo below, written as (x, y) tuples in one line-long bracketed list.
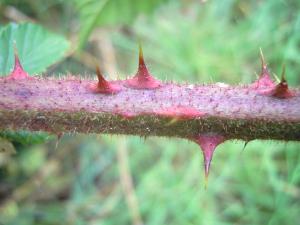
[(205, 181), (206, 171), (246, 143), (208, 144)]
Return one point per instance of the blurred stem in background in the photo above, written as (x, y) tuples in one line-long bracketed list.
[(109, 66), (127, 183)]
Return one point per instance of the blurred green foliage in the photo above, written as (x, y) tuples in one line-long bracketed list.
[(25, 137), (95, 13), (37, 48), (78, 179)]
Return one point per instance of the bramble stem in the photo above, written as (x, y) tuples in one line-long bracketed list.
[(68, 105)]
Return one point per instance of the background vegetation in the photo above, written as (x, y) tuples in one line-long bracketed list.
[(102, 179)]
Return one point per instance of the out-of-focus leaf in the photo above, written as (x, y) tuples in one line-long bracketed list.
[(110, 12), (6, 147), (25, 137), (37, 47)]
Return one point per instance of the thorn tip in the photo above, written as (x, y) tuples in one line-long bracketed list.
[(103, 86), (281, 90), (208, 143), (283, 79), (141, 56), (262, 59), (205, 182), (142, 79), (264, 80)]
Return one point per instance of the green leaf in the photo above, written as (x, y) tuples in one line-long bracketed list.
[(37, 47), (110, 12), (25, 137)]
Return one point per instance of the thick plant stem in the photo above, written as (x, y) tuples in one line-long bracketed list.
[(172, 110)]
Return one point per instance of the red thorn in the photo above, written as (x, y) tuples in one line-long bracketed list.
[(103, 86), (281, 90), (208, 144), (180, 112), (264, 80), (18, 71), (142, 79)]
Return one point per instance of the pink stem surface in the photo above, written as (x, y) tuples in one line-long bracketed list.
[(69, 105)]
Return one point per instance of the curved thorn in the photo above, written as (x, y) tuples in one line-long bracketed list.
[(100, 77), (103, 86)]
